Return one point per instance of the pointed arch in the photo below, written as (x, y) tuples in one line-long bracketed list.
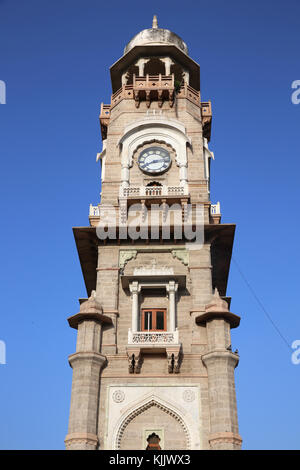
[(139, 408)]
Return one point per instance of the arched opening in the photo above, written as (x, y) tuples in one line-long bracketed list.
[(133, 69), (132, 433), (153, 442), (154, 67), (154, 183), (178, 75)]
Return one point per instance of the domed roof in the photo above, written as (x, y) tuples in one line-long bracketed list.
[(156, 36)]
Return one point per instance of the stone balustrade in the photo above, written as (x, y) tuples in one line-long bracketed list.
[(104, 119), (155, 337), (94, 211), (215, 209), (154, 191)]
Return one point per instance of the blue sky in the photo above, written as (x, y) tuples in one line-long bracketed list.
[(54, 59)]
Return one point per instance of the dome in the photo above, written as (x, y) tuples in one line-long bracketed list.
[(156, 36)]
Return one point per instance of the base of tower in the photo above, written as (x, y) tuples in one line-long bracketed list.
[(225, 441), (81, 441)]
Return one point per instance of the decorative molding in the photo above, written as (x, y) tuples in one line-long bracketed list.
[(153, 271), (200, 267), (188, 395), (225, 438), (81, 439), (107, 269), (118, 396)]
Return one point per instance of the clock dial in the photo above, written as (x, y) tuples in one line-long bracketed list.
[(154, 160)]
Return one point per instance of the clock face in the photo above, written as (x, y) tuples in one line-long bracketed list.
[(154, 160)]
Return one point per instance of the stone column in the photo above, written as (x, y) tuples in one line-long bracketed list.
[(125, 175), (168, 62), (183, 176), (87, 363), (172, 289), (141, 65), (220, 363), (135, 289)]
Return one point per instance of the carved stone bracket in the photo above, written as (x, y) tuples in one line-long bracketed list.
[(182, 255), (174, 359), (134, 361), (125, 256)]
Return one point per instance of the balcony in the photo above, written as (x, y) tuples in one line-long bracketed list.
[(158, 338), (104, 119), (158, 342), (206, 114), (94, 211), (154, 191), (215, 213), (153, 88), (158, 88)]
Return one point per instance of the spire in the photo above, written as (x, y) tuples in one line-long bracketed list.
[(154, 22)]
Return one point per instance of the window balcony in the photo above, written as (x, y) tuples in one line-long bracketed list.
[(141, 343), (150, 338)]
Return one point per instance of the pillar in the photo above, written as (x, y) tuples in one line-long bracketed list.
[(220, 363), (86, 363), (135, 289), (172, 289)]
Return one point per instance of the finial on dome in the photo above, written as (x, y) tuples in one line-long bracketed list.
[(154, 22)]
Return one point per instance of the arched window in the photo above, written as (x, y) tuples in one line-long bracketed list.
[(154, 183), (154, 67)]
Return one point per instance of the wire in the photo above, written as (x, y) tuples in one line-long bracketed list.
[(261, 304)]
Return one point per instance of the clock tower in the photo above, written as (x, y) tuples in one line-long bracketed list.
[(154, 367)]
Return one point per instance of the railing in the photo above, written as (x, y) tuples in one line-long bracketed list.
[(159, 83), (153, 81), (105, 111), (126, 92), (186, 91), (215, 209), (206, 114), (94, 211), (206, 109), (155, 191), (156, 337), (104, 119)]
